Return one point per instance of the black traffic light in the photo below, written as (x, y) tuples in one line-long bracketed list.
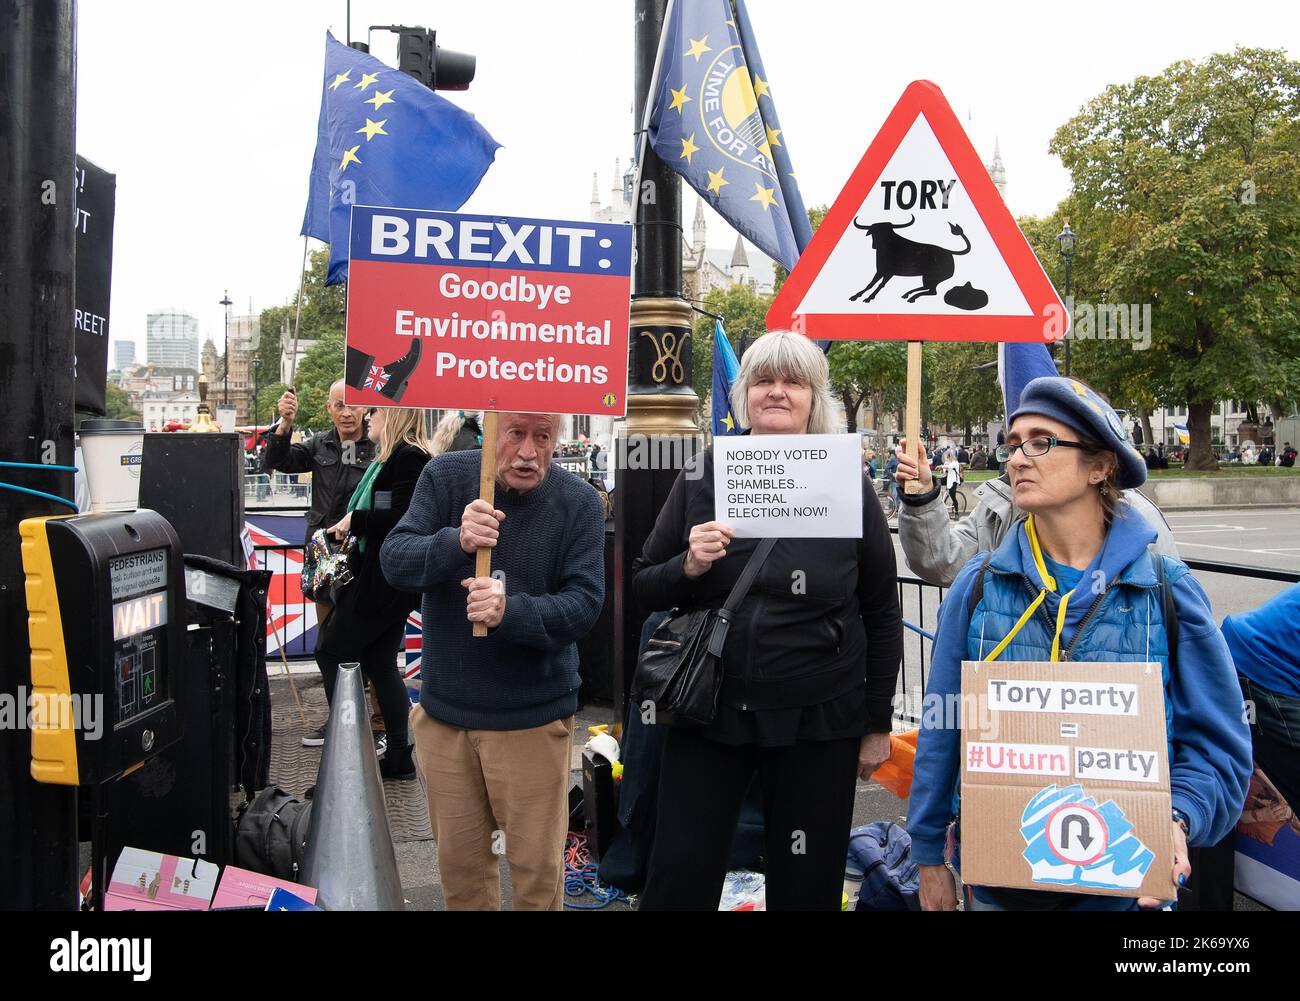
[(419, 54)]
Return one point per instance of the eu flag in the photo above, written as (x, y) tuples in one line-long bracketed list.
[(725, 368), (713, 121), (384, 138)]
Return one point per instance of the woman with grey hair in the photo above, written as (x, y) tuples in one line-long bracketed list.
[(810, 664)]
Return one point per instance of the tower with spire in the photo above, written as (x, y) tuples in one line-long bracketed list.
[(997, 171), (739, 263)]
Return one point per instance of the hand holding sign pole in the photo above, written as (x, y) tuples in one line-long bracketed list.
[(487, 492), (919, 246)]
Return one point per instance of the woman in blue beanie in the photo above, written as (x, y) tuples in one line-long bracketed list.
[(1074, 580)]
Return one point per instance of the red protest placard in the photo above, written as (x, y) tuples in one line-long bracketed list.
[(475, 312)]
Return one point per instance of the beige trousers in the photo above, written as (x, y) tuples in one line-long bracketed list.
[(495, 792)]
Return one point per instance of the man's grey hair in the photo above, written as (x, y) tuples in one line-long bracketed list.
[(791, 356)]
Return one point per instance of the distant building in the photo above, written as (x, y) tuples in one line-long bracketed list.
[(159, 408), (123, 354), (172, 339), (286, 353), (997, 171)]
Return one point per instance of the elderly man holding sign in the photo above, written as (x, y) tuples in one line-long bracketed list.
[(494, 725), (809, 665)]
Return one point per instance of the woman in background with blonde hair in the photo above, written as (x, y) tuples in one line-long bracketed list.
[(369, 618)]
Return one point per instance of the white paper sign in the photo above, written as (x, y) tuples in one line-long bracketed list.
[(789, 486)]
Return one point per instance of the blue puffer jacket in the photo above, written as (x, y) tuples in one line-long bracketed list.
[(1209, 743)]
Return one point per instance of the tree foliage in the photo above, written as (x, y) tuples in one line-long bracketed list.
[(1186, 196), (742, 311), (324, 314)]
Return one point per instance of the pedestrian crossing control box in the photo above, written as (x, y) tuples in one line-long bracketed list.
[(106, 621)]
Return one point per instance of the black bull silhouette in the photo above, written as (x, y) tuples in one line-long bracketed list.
[(897, 255)]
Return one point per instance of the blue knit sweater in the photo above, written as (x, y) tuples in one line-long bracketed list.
[(524, 673)]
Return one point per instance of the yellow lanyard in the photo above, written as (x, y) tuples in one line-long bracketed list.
[(1050, 581)]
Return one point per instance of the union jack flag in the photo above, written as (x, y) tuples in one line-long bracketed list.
[(291, 619), (377, 379), (411, 646)]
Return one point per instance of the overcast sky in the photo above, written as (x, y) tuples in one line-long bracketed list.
[(207, 112)]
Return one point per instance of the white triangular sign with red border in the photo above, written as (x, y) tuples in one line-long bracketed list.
[(919, 246)]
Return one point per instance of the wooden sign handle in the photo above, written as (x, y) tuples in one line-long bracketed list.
[(487, 479), (912, 417)]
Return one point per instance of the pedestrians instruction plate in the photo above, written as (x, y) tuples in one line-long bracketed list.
[(920, 246)]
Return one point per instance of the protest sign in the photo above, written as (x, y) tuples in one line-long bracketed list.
[(1068, 787), (919, 246), (474, 312), (95, 194), (789, 486)]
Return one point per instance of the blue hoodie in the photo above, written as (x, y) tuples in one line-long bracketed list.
[(1210, 756), (1263, 643)]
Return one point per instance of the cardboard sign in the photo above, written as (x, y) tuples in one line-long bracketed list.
[(479, 312), (1065, 780), (789, 486), (920, 246)]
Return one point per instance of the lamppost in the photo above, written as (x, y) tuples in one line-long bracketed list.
[(257, 372), (225, 357), (1065, 240)]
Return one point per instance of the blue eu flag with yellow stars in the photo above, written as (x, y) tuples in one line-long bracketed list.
[(725, 369), (713, 121), (384, 138)]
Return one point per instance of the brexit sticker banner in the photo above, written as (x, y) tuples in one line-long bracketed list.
[(920, 246), (478, 312), (1065, 778)]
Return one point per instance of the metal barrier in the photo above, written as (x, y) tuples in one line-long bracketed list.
[(918, 600), (261, 489)]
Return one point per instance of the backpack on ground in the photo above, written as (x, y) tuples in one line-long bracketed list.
[(891, 880), (271, 834)]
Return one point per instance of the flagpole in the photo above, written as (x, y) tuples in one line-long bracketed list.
[(297, 314), (662, 405), (643, 135)]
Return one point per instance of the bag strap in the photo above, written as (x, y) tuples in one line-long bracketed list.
[(755, 564), (1170, 612), (977, 590)]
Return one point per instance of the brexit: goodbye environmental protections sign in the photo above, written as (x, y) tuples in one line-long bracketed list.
[(789, 486)]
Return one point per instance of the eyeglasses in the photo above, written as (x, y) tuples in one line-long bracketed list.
[(1034, 447)]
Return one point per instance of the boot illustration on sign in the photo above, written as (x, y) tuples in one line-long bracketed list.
[(898, 256), (388, 380)]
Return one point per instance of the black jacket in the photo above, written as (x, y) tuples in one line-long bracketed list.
[(332, 479), (393, 488), (821, 617)]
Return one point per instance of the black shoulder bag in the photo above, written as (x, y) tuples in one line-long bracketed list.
[(680, 670)]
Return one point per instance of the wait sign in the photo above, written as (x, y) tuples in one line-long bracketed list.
[(789, 486)]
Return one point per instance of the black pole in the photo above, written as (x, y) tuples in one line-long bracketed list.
[(1070, 333), (38, 835), (661, 433), (225, 356)]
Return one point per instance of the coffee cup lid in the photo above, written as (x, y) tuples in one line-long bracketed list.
[(99, 426)]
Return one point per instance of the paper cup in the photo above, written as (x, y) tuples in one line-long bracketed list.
[(113, 452)]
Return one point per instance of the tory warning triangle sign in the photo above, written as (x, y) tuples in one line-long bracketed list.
[(919, 246)]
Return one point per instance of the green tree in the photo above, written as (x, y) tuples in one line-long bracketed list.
[(1186, 196), (779, 271), (960, 391), (742, 312), (118, 406), (320, 368), (868, 371), (324, 312)]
